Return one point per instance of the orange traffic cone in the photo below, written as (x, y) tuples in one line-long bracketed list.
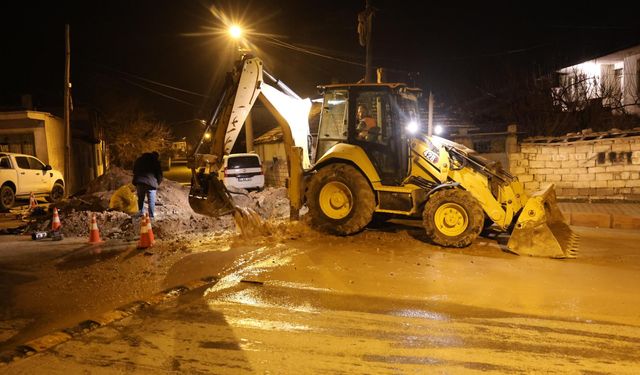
[(56, 224), (152, 240), (145, 240), (94, 233), (33, 203)]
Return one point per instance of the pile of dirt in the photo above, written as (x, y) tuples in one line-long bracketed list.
[(110, 181), (270, 203), (173, 214)]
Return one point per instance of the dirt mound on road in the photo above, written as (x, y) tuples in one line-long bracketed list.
[(173, 214)]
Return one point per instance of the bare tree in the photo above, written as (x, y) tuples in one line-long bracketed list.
[(553, 105), (131, 132)]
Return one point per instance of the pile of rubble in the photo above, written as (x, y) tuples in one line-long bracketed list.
[(173, 215)]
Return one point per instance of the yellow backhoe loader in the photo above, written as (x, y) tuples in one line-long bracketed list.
[(371, 162)]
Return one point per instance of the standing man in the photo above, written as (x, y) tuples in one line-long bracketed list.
[(147, 176)]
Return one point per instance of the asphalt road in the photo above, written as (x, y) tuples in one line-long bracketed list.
[(179, 173), (380, 302)]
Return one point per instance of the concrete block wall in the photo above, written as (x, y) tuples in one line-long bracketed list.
[(606, 168), (275, 172)]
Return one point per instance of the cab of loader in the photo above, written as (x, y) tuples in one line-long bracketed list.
[(377, 118)]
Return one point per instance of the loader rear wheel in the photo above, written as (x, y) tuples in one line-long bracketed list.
[(452, 218), (340, 200)]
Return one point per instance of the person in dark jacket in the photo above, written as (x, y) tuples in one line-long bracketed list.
[(147, 176)]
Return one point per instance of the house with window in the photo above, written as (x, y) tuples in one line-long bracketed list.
[(42, 135), (36, 133), (612, 81)]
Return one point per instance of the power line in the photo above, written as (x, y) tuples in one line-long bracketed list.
[(158, 92), (153, 82), (304, 50)]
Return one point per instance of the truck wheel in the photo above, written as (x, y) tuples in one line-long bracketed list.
[(7, 197), (57, 193), (340, 199), (452, 218)]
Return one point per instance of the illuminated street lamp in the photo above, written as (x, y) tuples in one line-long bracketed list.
[(207, 135), (438, 129), (235, 31)]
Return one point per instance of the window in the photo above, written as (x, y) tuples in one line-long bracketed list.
[(5, 163), (334, 115), (35, 164), (373, 117), (23, 162), (333, 120), (243, 162)]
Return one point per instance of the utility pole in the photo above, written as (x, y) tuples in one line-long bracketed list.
[(67, 108), (365, 23)]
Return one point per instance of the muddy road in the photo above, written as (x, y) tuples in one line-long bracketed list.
[(380, 302)]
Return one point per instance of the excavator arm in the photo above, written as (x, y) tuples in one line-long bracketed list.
[(243, 87)]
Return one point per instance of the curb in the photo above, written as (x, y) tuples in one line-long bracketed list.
[(602, 220), (46, 342)]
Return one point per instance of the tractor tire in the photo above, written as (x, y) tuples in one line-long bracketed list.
[(7, 197), (453, 218), (57, 193), (340, 200)]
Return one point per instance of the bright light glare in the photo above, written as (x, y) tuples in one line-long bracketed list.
[(438, 129), (235, 31), (412, 127), (207, 135)]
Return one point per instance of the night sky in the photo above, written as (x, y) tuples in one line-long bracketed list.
[(119, 48)]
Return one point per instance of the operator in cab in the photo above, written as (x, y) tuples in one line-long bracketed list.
[(366, 128)]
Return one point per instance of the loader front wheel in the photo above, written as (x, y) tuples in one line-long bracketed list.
[(340, 200), (452, 218)]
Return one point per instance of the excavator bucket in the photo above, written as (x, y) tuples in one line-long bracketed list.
[(208, 196), (541, 230)]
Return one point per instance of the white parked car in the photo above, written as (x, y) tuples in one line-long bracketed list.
[(243, 171), (21, 175)]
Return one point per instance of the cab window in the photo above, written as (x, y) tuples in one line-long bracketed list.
[(373, 117), (5, 163), (333, 120), (23, 162), (35, 164)]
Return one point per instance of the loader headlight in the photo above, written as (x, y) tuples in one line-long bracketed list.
[(412, 127)]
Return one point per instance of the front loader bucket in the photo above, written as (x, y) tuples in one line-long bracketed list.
[(541, 230), (208, 196)]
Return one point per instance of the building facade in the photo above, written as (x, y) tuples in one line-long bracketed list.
[(612, 80)]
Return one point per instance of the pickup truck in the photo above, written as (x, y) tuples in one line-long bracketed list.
[(21, 175)]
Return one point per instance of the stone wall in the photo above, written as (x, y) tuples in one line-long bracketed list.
[(584, 166), (275, 172)]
